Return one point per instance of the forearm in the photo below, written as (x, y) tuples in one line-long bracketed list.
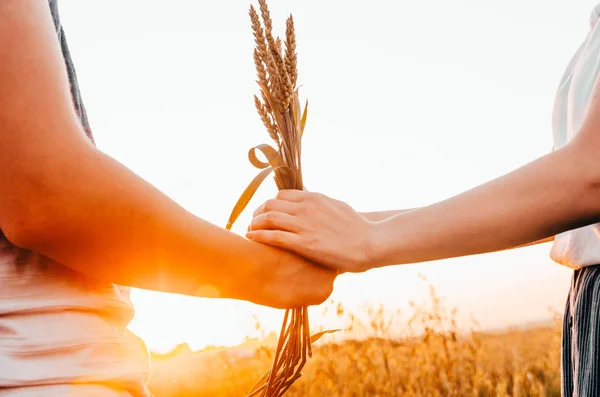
[(377, 216), (95, 216), (556, 193), (63, 198)]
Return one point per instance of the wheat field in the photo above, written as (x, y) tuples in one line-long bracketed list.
[(440, 361)]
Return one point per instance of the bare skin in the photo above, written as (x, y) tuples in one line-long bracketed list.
[(67, 200), (376, 216), (553, 194)]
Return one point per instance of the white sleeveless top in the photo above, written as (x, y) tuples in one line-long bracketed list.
[(581, 247)]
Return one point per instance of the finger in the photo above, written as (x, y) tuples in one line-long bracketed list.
[(296, 196), (277, 238), (275, 221), (274, 205)]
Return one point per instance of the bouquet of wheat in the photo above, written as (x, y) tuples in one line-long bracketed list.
[(281, 113)]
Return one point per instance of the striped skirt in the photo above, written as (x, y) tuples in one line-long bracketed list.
[(581, 336)]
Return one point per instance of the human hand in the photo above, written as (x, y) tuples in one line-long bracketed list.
[(317, 227), (287, 281)]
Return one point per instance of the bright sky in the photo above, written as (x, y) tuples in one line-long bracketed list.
[(410, 102)]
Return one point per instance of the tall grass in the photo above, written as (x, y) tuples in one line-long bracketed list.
[(431, 358)]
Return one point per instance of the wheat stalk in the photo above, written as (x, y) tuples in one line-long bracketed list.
[(283, 117)]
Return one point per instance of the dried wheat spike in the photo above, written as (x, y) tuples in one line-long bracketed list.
[(287, 91), (291, 60), (263, 55), (266, 15), (261, 52), (264, 116), (259, 34), (272, 44), (274, 81), (261, 72), (275, 48), (273, 58)]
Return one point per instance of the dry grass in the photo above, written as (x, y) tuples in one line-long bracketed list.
[(439, 362)]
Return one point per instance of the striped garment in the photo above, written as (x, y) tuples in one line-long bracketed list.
[(60, 333), (581, 335)]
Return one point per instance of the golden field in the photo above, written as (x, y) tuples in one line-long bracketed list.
[(439, 361)]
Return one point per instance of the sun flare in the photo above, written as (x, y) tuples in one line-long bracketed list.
[(164, 321)]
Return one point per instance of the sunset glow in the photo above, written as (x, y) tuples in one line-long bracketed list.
[(408, 130)]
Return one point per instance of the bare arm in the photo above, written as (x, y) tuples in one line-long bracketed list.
[(67, 200), (378, 216), (556, 193)]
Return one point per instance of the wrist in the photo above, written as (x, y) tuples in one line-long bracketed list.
[(378, 246), (252, 279), (240, 274), (373, 247), (247, 277)]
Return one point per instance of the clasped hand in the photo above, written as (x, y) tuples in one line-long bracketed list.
[(324, 230)]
